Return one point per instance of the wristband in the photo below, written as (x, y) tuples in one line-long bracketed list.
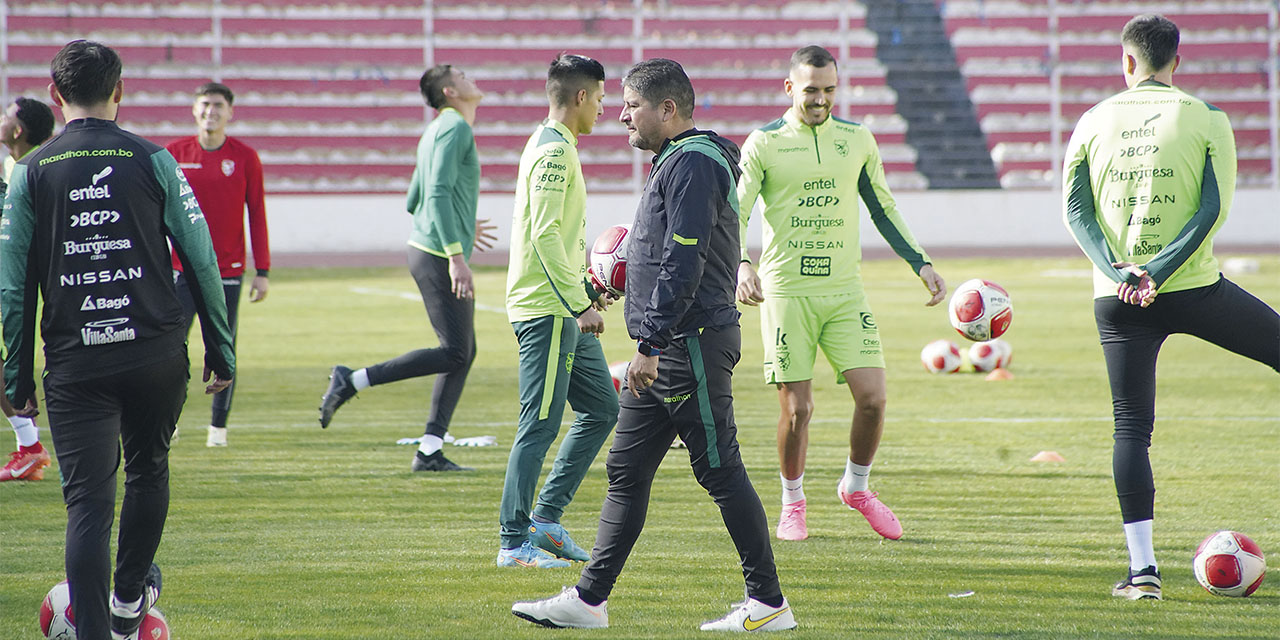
[(646, 349)]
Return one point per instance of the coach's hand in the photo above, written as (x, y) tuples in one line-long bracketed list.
[(590, 321), (258, 289), (217, 385), (460, 277), (750, 292), (934, 283), (484, 239), (642, 373)]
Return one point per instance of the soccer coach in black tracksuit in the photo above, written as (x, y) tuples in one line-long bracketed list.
[(681, 274), (86, 224)]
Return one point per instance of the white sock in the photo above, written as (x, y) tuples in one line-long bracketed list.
[(1142, 552), (855, 476), (26, 430), (360, 379), (125, 609), (792, 490), (429, 444)]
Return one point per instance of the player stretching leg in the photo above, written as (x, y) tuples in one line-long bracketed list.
[(1149, 178), (442, 200), (809, 285)]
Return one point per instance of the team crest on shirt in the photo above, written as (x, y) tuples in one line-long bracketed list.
[(842, 147), (228, 167)]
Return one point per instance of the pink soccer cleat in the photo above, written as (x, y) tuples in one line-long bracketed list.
[(791, 524), (879, 516)]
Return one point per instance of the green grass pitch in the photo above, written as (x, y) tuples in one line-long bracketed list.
[(301, 533)]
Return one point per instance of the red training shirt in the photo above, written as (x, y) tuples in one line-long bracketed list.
[(225, 181)]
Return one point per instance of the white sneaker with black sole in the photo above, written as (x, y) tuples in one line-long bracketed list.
[(566, 610)]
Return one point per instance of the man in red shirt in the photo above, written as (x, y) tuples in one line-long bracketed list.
[(226, 175)]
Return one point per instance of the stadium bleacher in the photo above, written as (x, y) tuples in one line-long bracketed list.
[(327, 89), (1004, 46)]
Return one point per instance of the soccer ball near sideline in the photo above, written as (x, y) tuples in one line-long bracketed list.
[(940, 356), (1228, 563), (609, 260), (981, 310), (58, 623)]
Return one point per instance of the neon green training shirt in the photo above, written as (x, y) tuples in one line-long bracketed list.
[(1149, 177), (547, 274), (445, 188), (810, 179)]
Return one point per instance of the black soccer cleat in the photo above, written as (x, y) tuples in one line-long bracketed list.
[(124, 626), (435, 462), (1139, 585), (340, 390)]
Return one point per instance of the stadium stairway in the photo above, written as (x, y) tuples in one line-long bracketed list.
[(932, 96)]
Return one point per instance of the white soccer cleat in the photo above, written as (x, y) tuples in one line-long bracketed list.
[(566, 610), (217, 437), (754, 615)]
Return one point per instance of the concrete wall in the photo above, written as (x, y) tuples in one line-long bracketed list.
[(939, 219)]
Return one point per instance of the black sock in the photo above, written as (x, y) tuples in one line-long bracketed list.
[(775, 601), (591, 598)]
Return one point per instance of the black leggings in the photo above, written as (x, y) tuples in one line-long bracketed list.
[(231, 290), (89, 419), (1221, 313), (692, 398), (454, 323)]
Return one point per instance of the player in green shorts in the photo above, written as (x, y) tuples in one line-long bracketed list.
[(810, 169)]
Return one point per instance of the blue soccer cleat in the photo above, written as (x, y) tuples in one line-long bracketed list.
[(552, 538), (527, 555)]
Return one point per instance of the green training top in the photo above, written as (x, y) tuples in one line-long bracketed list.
[(1149, 177), (810, 179), (547, 272), (445, 187)]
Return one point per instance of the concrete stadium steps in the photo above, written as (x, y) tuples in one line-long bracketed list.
[(1003, 46)]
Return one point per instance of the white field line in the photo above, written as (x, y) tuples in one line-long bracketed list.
[(413, 297)]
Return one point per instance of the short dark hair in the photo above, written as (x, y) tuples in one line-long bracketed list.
[(569, 74), (433, 82), (36, 118), (85, 72), (658, 79), (1153, 38), (216, 88), (812, 56)]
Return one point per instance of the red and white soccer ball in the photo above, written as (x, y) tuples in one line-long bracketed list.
[(618, 371), (981, 310), (990, 355), (58, 623), (940, 356), (609, 260), (56, 619), (1228, 563)]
